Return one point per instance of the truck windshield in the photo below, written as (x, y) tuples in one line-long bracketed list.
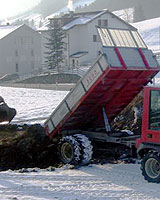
[(154, 113)]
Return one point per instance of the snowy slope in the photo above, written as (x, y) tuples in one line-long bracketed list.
[(94, 182), (150, 31)]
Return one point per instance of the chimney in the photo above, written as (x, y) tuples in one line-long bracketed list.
[(70, 5), (71, 13)]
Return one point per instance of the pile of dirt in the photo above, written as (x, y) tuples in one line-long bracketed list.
[(26, 146), (52, 79), (130, 118)]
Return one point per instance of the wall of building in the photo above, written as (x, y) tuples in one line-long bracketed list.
[(20, 52), (81, 37)]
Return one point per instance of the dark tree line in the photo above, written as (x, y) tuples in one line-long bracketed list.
[(144, 9)]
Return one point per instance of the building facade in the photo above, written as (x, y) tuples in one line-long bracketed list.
[(83, 45), (20, 50)]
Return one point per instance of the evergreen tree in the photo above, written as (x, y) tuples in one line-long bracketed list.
[(55, 46)]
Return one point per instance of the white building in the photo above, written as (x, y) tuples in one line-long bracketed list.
[(20, 50), (83, 44)]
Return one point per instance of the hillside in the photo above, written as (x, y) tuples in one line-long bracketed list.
[(150, 31), (143, 9), (47, 7), (35, 17)]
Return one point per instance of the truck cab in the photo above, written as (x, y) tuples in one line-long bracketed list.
[(148, 146)]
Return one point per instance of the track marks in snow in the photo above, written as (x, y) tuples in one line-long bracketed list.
[(94, 182)]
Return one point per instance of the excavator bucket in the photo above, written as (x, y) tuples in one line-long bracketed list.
[(6, 113)]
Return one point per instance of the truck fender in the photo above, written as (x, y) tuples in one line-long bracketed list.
[(145, 147)]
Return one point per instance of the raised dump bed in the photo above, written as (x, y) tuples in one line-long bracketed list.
[(119, 74)]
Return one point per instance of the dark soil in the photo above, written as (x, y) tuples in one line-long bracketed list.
[(26, 146)]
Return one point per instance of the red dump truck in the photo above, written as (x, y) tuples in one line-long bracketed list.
[(81, 122)]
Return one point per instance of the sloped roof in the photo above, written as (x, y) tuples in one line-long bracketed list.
[(6, 30), (89, 16), (84, 18)]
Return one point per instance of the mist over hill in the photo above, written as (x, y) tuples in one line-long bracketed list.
[(47, 7), (144, 9)]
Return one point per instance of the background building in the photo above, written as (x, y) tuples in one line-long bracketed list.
[(82, 41), (20, 50)]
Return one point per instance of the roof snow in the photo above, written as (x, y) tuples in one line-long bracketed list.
[(82, 20), (5, 30)]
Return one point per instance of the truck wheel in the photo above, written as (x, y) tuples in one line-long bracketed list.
[(150, 167), (86, 148), (69, 150)]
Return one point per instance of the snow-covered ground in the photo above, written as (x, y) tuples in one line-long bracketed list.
[(94, 182), (32, 105)]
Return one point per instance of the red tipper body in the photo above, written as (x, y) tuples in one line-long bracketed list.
[(119, 74)]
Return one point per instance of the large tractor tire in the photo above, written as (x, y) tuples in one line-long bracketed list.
[(69, 150), (150, 167), (86, 148)]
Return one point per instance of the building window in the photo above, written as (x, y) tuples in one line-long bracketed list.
[(99, 53), (100, 22), (77, 63), (32, 40), (22, 40), (32, 64), (73, 63), (16, 53), (15, 41), (105, 22), (32, 52), (95, 38), (17, 67)]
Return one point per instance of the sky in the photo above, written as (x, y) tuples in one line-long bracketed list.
[(10, 8)]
